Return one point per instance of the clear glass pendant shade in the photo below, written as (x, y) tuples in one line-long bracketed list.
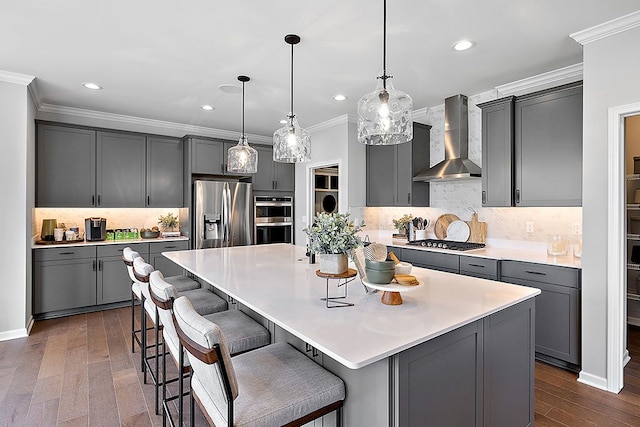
[(291, 143), (242, 158), (385, 117)]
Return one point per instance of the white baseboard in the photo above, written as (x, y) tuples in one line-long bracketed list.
[(593, 380), (30, 324), (627, 358), (18, 333)]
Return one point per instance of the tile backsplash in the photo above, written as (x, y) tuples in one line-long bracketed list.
[(116, 217)]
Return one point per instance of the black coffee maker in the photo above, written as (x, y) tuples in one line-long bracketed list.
[(95, 228)]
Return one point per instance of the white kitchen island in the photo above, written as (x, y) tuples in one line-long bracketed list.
[(458, 350)]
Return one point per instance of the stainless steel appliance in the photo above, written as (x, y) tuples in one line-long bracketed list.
[(273, 219), (447, 244), (95, 228), (221, 214)]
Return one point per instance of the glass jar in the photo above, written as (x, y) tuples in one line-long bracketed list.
[(557, 245), (577, 247)]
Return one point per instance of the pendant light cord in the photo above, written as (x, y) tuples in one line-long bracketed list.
[(384, 45), (292, 115), (243, 135)]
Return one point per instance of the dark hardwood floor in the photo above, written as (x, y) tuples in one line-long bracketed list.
[(79, 371)]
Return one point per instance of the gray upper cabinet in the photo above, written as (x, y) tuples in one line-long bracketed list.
[(80, 167), (209, 156), (391, 168), (532, 149), (65, 169), (497, 152), (548, 148), (272, 175), (164, 172), (120, 170)]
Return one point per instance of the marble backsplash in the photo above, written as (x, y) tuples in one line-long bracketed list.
[(116, 217)]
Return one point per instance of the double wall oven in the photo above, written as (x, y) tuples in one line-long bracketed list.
[(273, 219)]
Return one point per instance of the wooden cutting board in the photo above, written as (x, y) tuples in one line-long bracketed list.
[(442, 223), (478, 230)]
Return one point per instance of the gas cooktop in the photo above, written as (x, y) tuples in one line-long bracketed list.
[(446, 244)]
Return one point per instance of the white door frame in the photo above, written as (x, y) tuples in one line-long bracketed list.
[(617, 355)]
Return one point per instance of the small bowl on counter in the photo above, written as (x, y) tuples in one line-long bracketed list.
[(379, 265), (403, 268), (380, 277), (149, 234)]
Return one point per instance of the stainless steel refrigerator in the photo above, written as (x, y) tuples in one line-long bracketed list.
[(222, 214)]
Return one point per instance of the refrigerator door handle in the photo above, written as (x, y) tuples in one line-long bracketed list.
[(226, 213)]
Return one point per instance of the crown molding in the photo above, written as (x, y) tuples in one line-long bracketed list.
[(345, 118), (16, 78), (420, 113), (188, 129), (607, 29), (34, 91), (568, 74)]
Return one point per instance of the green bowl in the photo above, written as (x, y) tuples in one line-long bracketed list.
[(381, 277), (380, 265)]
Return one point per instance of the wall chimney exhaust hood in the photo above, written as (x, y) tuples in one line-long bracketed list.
[(456, 164)]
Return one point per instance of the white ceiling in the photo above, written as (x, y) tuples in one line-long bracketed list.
[(162, 59)]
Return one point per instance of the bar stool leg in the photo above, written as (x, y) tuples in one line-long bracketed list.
[(143, 333), (181, 385), (157, 329), (192, 410), (133, 323), (164, 383)]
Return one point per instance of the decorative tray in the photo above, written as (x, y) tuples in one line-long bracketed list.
[(61, 242)]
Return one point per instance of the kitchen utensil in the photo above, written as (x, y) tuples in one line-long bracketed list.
[(379, 265), (478, 230), (376, 252), (458, 231), (394, 257), (403, 268), (406, 279), (48, 225), (443, 221)]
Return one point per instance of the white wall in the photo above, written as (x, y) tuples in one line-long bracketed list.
[(334, 142), (16, 193), (610, 79)]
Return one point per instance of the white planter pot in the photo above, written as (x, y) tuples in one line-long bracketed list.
[(334, 263)]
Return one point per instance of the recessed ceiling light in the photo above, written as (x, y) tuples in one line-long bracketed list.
[(227, 88), (207, 107), (340, 97), (461, 45), (92, 86), (283, 121)]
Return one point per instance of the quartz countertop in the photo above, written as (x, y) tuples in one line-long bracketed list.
[(34, 245), (278, 283), (515, 254)]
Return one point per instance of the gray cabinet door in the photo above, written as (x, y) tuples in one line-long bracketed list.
[(433, 260), (162, 263), (497, 152), (284, 176), (65, 167), (207, 157), (120, 171), (263, 179), (439, 381), (164, 172), (483, 268), (381, 173), (114, 283), (64, 284), (548, 148)]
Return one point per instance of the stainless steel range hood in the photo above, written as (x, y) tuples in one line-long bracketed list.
[(456, 164)]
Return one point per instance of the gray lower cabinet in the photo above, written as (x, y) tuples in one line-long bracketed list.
[(484, 268), (391, 168), (557, 308), (64, 278), (65, 166), (113, 281), (434, 260), (479, 374), (164, 172), (160, 262), (272, 175)]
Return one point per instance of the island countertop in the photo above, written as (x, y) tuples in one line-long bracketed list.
[(277, 282)]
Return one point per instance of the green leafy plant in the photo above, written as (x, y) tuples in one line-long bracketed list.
[(168, 221), (333, 233), (402, 224)]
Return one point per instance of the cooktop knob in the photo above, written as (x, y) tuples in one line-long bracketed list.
[(423, 243), (444, 246)]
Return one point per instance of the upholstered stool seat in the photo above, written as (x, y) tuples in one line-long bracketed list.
[(271, 386)]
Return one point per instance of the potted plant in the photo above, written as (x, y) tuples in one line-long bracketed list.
[(168, 222), (332, 236), (402, 225)]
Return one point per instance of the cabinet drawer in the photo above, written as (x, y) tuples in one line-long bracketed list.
[(479, 266), (176, 245), (116, 250), (434, 260), (562, 276), (70, 252)]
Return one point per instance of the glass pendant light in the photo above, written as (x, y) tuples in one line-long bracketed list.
[(242, 158), (385, 116), (291, 143)]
